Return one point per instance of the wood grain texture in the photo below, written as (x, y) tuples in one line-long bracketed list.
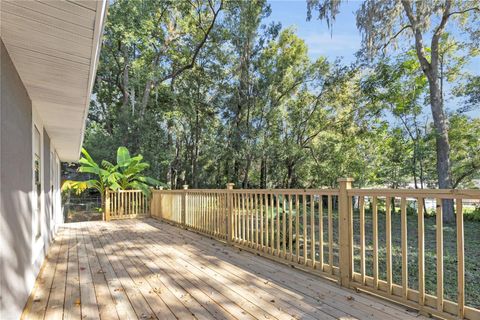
[(148, 269)]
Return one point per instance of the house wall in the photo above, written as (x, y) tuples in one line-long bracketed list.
[(20, 255)]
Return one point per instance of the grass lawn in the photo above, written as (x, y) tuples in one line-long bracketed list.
[(472, 251), (472, 254)]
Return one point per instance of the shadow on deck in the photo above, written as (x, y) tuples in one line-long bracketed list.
[(148, 269)]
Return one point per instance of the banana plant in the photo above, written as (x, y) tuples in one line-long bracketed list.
[(104, 177), (127, 173)]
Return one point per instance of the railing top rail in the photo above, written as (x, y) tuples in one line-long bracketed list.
[(423, 193), (124, 191), (179, 191), (258, 191), (289, 191)]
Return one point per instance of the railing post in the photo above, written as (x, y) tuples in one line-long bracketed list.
[(345, 229), (107, 204), (229, 213), (184, 204)]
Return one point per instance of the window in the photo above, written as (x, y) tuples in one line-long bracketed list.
[(37, 167)]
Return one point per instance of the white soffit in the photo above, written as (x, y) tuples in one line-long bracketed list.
[(55, 45)]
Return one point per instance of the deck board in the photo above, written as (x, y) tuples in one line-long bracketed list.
[(147, 269)]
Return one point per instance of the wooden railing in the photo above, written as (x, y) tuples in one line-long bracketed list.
[(412, 294), (126, 204), (335, 233)]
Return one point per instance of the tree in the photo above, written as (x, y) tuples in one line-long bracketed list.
[(381, 23), (471, 91), (399, 87), (464, 134)]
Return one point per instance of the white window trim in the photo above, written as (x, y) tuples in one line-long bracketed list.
[(38, 245), (52, 185)]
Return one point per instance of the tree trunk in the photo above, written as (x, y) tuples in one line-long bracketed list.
[(431, 69), (263, 173), (442, 146)]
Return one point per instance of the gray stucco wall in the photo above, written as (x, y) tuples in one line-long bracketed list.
[(16, 269)]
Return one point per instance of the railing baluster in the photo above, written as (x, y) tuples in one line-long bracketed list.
[(132, 204), (284, 225), (272, 224), (278, 224), (320, 231), (403, 213), (204, 212), (297, 226), (460, 259), (305, 230), (257, 240), (330, 234), (312, 230), (388, 227), (234, 216), (212, 200), (252, 219), (439, 236), (246, 228), (375, 242), (421, 253), (208, 211), (362, 237), (290, 226), (266, 223), (196, 212), (262, 235), (216, 213), (247, 217), (122, 210), (211, 219), (208, 214), (241, 212), (136, 202)]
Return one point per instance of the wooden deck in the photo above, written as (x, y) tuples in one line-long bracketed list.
[(147, 269)]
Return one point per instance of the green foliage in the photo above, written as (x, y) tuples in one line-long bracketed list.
[(104, 176), (250, 106), (126, 174)]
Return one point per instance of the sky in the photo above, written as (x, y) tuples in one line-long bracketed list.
[(343, 40)]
